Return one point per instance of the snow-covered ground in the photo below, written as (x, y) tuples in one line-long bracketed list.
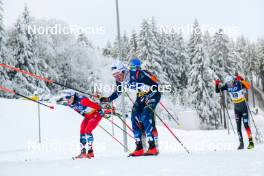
[(212, 152)]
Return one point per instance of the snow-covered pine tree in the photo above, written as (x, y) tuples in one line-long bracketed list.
[(23, 52), (2, 31), (149, 49), (242, 50), (182, 61), (3, 75), (133, 45), (44, 52), (107, 50), (5, 57), (84, 41), (174, 61), (207, 41), (115, 50), (182, 69), (166, 55), (125, 47), (260, 59), (245, 53), (220, 55), (201, 85)]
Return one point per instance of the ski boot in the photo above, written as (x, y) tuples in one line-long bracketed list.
[(81, 155), (251, 144), (90, 153), (139, 150), (241, 145), (152, 149)]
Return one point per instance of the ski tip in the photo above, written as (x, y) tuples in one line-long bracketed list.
[(52, 107), (130, 155), (74, 158)]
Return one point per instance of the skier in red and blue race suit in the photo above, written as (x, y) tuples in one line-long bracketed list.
[(92, 114), (235, 89), (148, 96)]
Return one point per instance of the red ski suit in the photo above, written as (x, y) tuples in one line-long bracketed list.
[(92, 118)]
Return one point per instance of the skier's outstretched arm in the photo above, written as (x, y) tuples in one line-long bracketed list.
[(114, 95), (244, 83), (219, 88), (88, 103)]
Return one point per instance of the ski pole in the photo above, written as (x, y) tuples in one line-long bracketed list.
[(172, 133), (119, 117), (114, 113), (114, 137), (252, 117), (138, 123), (230, 120), (170, 114), (15, 93), (168, 128), (120, 128), (44, 79)]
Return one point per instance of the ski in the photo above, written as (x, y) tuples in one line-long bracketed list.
[(77, 158), (145, 154), (131, 155)]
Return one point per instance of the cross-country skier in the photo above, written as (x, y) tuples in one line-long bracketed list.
[(147, 99), (235, 89), (92, 114)]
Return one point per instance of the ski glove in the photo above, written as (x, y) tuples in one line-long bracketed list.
[(239, 78), (104, 99), (101, 112), (217, 82)]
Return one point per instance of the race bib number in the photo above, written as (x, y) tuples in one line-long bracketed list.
[(237, 95)]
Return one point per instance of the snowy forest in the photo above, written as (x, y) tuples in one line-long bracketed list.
[(190, 65)]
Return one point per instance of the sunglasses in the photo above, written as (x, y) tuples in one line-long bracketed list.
[(134, 68)]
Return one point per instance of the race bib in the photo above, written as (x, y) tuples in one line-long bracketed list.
[(237, 96)]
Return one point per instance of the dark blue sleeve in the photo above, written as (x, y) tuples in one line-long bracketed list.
[(147, 79), (116, 93), (220, 89)]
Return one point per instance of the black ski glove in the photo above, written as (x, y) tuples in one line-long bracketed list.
[(104, 100)]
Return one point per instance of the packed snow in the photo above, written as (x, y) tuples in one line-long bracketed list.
[(213, 152)]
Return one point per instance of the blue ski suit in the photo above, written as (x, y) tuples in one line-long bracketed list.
[(148, 96)]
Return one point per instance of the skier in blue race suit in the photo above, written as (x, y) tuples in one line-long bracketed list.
[(148, 96)]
